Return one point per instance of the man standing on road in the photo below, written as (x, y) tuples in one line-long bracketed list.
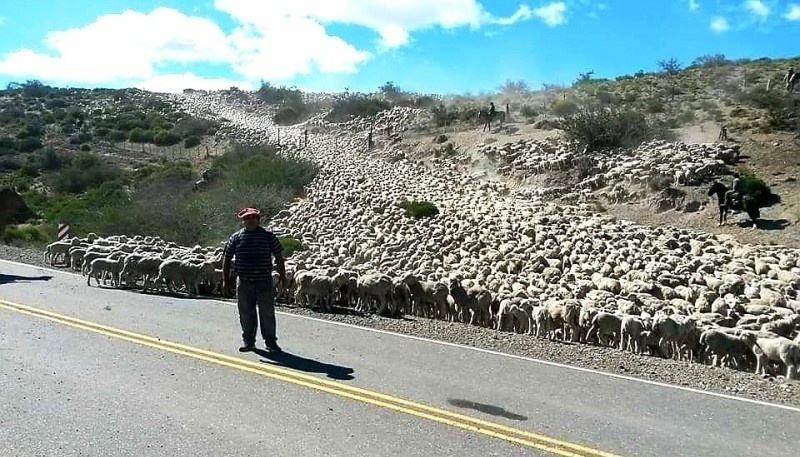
[(254, 246)]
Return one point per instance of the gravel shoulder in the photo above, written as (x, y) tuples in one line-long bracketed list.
[(693, 375)]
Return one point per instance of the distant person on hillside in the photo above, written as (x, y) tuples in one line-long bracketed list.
[(723, 134), (790, 78)]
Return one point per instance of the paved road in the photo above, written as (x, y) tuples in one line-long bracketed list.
[(70, 388)]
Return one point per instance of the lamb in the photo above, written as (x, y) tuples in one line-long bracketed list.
[(179, 271), (605, 325), (677, 333), (630, 333), (101, 266), (782, 350), (429, 298), (57, 250), (564, 315), (475, 300), (375, 287), (722, 347)]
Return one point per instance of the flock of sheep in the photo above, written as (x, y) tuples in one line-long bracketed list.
[(499, 257)]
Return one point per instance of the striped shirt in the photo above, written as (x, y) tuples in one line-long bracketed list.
[(253, 250)]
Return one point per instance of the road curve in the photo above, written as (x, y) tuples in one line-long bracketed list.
[(72, 382)]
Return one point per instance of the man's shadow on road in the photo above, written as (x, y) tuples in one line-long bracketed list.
[(297, 362), (7, 279)]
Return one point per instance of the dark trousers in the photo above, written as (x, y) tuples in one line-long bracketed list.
[(251, 294)]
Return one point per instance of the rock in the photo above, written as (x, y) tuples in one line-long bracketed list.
[(440, 138)]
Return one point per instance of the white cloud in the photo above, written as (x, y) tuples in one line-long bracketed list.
[(792, 12), (393, 20), (758, 8), (720, 24), (694, 5), (116, 46), (178, 82), (275, 40), (552, 14), (522, 14)]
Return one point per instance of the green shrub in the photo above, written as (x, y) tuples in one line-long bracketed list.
[(608, 127), (86, 147), (528, 112), (29, 144), (419, 209), (85, 171), (192, 126), (290, 245), (80, 138), (117, 135), (563, 108), (163, 138), (191, 141), (10, 163), (138, 135), (759, 190), (351, 105), (286, 115), (28, 234)]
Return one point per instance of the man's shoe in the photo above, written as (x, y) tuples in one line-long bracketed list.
[(247, 348), (273, 347)]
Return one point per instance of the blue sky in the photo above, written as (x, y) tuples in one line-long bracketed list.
[(438, 46)]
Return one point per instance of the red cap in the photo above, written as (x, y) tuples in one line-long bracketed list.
[(248, 212)]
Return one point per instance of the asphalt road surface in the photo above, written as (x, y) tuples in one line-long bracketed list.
[(97, 371)]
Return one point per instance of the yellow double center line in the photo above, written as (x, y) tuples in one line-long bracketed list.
[(543, 443)]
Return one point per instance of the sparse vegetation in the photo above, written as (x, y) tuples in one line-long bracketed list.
[(600, 128), (758, 190), (419, 209), (290, 245)]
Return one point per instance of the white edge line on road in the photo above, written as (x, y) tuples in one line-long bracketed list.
[(486, 351)]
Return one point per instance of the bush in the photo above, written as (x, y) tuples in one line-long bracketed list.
[(80, 138), (85, 171), (191, 141), (350, 105), (29, 144), (85, 147), (608, 127), (28, 234), (117, 135), (758, 190), (166, 138), (659, 182), (563, 108), (192, 126), (286, 115), (419, 209), (782, 112), (290, 245), (138, 135), (10, 163), (528, 112)]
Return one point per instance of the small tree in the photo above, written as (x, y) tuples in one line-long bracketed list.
[(670, 66)]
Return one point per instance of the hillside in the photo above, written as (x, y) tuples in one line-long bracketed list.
[(72, 142)]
